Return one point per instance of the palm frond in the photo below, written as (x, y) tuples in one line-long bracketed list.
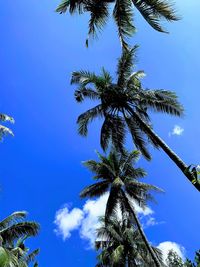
[(72, 5), (13, 218), (162, 101), (83, 93), (107, 77), (118, 255), (155, 10), (84, 78), (4, 117), (5, 131), (123, 16), (98, 16), (9, 259), (95, 190), (31, 256), (129, 158), (138, 137), (133, 81), (85, 118), (125, 65), (17, 230), (63, 6), (92, 165), (113, 131), (106, 133)]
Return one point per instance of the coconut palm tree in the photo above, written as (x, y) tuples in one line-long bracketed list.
[(153, 12), (14, 229), (115, 174), (120, 245), (4, 130), (125, 105)]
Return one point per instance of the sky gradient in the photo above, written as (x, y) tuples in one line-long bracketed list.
[(40, 168)]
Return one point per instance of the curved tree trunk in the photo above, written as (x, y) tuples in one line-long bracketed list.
[(172, 155), (131, 211), (154, 257)]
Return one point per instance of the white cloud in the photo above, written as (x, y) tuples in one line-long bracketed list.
[(92, 209), (177, 130), (67, 221), (85, 220), (166, 246)]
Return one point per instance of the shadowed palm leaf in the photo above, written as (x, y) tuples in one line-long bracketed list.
[(116, 174), (125, 106), (153, 12)]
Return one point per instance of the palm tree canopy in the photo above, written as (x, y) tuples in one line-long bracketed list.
[(15, 226), (14, 230), (153, 12), (4, 130), (116, 173), (120, 103), (119, 243)]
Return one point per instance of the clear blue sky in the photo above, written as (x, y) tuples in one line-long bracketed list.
[(40, 167)]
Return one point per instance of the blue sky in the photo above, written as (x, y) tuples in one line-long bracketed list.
[(40, 169)]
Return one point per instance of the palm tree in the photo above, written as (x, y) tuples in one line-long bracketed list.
[(13, 231), (4, 130), (153, 12), (125, 105), (120, 245), (115, 174)]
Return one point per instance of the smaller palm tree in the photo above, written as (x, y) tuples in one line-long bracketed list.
[(121, 245), (153, 12), (14, 229), (4, 130), (116, 174)]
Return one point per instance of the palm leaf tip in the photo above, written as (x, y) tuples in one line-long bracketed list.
[(4, 117), (155, 10), (98, 17), (62, 8), (5, 131)]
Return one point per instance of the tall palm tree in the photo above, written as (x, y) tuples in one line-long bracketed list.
[(4, 130), (14, 229), (120, 245), (115, 174), (125, 105), (153, 12)]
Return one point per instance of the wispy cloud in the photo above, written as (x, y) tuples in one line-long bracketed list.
[(177, 130), (67, 221), (166, 246), (85, 220), (151, 221)]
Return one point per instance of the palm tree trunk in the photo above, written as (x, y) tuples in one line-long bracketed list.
[(172, 155), (154, 257), (131, 211)]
